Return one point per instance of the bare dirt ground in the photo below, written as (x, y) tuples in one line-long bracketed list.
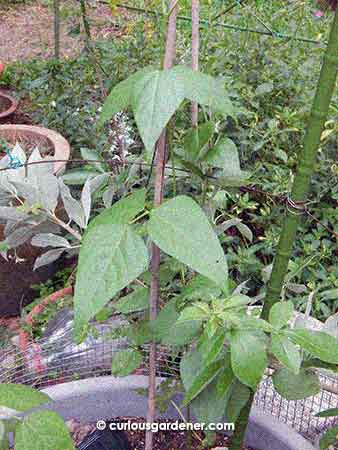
[(26, 29)]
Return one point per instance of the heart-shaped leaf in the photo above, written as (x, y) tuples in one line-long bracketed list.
[(181, 220)]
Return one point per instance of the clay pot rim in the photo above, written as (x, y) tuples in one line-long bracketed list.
[(12, 108), (59, 143)]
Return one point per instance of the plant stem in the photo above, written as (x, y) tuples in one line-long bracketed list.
[(89, 47), (306, 167), (194, 52), (161, 152), (56, 29), (86, 25), (189, 433), (65, 227), (237, 441)]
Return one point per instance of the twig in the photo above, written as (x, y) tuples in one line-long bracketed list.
[(161, 152), (194, 53), (56, 29)]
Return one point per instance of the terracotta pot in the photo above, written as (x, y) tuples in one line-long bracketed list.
[(50, 139), (8, 105)]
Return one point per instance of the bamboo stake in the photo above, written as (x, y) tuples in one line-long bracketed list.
[(301, 185), (306, 168), (194, 52), (160, 160), (56, 29)]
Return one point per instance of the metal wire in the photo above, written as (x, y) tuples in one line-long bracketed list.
[(300, 414)]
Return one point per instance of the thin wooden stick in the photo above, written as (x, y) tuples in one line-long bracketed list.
[(56, 29), (160, 160), (194, 53)]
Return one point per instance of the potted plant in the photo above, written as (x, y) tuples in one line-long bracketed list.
[(224, 350), (30, 205)]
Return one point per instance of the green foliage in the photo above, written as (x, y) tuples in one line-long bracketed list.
[(145, 90), (105, 247), (43, 430), (281, 313), (21, 398), (270, 88), (329, 439), (296, 387), (138, 300), (125, 362), (181, 220), (286, 352), (248, 356), (317, 343)]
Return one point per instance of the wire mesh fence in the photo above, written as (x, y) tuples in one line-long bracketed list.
[(55, 359), (300, 414)]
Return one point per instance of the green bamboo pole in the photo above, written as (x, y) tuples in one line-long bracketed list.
[(306, 168), (300, 189)]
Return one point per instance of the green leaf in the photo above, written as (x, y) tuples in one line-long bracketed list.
[(202, 380), (160, 98), (125, 362), (20, 397), (264, 88), (193, 168), (319, 344), (3, 433), (317, 363), (253, 323), (123, 211), (214, 347), (182, 220), (121, 96), (248, 356), (204, 89), (296, 387), (225, 156), (92, 155), (333, 412), (78, 176), (239, 396), (196, 138), (111, 257), (286, 352), (225, 377), (219, 155), (329, 439), (138, 300), (236, 301), (170, 332), (43, 430), (194, 312), (139, 332), (209, 405), (200, 288), (281, 313)]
